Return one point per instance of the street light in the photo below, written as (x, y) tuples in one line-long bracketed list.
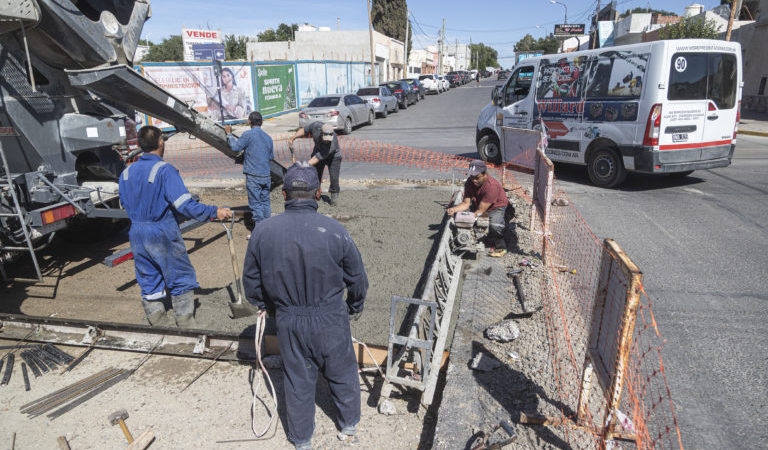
[(565, 19)]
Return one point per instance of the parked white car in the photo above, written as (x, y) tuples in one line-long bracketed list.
[(444, 82), (431, 83)]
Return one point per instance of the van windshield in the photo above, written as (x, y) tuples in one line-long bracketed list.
[(704, 76)]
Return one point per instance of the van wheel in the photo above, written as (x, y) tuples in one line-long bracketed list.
[(489, 149), (605, 168), (347, 126)]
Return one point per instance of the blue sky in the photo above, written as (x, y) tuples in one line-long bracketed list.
[(496, 23)]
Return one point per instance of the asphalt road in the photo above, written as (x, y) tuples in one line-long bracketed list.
[(701, 242)]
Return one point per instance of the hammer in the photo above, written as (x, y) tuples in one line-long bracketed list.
[(118, 417)]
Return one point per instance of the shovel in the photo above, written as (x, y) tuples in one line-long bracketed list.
[(239, 308)]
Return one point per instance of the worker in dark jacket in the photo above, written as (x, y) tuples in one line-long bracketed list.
[(326, 152), (299, 263), (154, 196), (259, 150)]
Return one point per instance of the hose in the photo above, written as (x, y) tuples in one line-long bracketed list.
[(259, 340)]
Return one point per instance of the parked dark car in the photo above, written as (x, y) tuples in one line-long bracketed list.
[(417, 86), (454, 78), (503, 74), (403, 91)]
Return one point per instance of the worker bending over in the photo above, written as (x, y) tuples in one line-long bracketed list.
[(325, 153), (483, 194), (154, 196), (298, 263)]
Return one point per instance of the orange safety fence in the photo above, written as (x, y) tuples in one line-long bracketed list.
[(196, 159), (575, 260)]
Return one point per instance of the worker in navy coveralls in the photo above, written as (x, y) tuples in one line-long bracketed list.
[(154, 197), (259, 150), (299, 263)]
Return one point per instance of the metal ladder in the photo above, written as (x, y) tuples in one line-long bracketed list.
[(7, 181)]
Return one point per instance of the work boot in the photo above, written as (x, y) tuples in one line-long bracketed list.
[(334, 199), (348, 434), (186, 321), (155, 318), (154, 310), (184, 309)]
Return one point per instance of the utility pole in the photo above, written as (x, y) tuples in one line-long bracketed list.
[(471, 55), (370, 35), (405, 45), (596, 40), (730, 20), (442, 47)]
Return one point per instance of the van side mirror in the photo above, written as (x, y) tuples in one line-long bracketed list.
[(495, 96)]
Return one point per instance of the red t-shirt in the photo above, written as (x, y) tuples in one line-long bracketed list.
[(490, 192)]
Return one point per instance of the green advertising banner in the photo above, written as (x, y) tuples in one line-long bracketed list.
[(276, 90)]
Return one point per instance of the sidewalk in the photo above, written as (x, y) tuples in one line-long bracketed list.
[(754, 124)]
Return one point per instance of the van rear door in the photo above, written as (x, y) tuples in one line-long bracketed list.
[(683, 117), (703, 94)]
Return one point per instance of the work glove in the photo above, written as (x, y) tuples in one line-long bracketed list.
[(354, 316)]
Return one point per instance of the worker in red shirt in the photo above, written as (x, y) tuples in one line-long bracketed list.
[(483, 194)]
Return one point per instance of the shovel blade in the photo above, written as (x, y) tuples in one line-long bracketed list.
[(241, 309)]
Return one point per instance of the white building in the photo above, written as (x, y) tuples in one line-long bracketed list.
[(323, 44), (462, 56), (421, 62)]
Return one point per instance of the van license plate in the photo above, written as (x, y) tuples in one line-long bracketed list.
[(680, 137)]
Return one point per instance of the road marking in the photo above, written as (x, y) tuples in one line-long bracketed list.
[(656, 224), (696, 191)]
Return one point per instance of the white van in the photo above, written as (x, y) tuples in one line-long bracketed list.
[(656, 107)]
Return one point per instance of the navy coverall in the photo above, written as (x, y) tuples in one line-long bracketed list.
[(299, 263), (259, 150), (152, 194)]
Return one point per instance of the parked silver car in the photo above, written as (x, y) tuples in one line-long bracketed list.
[(381, 98), (343, 111)]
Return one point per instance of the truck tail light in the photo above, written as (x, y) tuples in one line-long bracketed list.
[(653, 126), (303, 115), (332, 113), (58, 213), (711, 107), (738, 119), (399, 91)]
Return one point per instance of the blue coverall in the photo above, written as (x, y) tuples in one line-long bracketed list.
[(259, 150), (299, 263), (153, 195)]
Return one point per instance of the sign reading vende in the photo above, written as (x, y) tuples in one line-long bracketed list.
[(569, 29), (189, 37)]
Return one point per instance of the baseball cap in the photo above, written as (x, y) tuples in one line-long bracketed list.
[(301, 177), (476, 167)]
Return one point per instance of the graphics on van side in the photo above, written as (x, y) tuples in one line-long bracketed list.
[(601, 88)]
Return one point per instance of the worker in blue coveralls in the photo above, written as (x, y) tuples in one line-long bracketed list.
[(298, 264), (259, 150), (154, 196)]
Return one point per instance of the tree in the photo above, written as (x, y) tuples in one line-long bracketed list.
[(388, 17), (546, 45), (691, 28), (171, 49), (284, 32), (483, 56), (235, 47)]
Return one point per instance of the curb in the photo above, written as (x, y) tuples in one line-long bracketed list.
[(753, 133)]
